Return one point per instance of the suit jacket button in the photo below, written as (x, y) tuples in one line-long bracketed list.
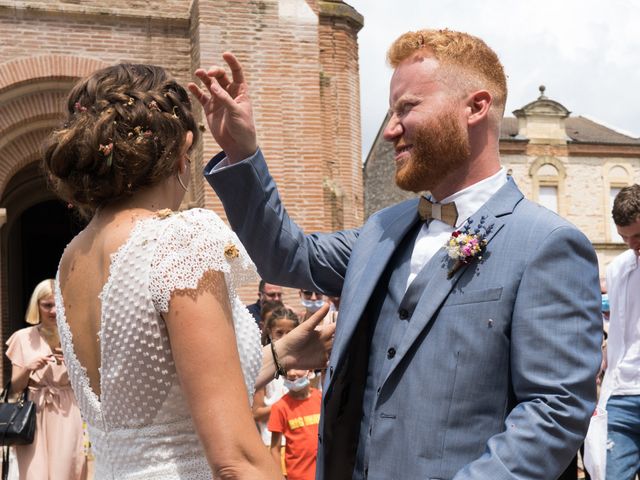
[(403, 313), (391, 353)]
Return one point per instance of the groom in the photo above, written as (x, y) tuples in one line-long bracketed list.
[(468, 339)]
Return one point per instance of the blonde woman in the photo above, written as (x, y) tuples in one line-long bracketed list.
[(36, 361)]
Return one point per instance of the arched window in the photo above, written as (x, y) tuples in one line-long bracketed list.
[(547, 175), (616, 176)]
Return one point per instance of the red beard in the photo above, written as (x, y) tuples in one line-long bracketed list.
[(440, 147)]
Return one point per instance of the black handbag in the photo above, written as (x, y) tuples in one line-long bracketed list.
[(17, 424), (17, 419)]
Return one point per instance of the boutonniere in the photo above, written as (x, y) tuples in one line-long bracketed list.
[(231, 251), (466, 244)]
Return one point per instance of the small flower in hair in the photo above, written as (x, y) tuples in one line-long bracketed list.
[(153, 105), (78, 107), (130, 102), (106, 149), (164, 213), (140, 133), (231, 251), (107, 152)]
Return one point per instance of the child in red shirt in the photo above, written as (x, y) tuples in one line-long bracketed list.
[(296, 416)]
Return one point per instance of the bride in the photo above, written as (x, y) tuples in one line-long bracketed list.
[(162, 355)]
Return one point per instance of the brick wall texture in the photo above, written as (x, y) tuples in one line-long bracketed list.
[(301, 63)]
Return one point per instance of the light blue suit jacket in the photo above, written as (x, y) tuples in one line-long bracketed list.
[(495, 376)]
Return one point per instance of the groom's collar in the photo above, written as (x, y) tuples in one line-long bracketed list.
[(470, 199)]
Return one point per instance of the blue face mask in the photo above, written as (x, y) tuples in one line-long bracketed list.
[(605, 303), (312, 305), (297, 385)]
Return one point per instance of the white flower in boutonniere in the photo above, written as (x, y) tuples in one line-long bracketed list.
[(466, 244)]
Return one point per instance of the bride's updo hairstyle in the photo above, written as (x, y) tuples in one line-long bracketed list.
[(124, 130)]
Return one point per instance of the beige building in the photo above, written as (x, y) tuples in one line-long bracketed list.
[(301, 61), (570, 164)]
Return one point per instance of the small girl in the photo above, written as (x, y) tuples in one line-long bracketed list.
[(277, 324)]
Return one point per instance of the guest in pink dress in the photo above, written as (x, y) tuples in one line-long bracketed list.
[(36, 360)]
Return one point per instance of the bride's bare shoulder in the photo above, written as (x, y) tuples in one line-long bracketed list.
[(89, 252)]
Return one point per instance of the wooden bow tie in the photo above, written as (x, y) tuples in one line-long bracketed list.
[(447, 212)]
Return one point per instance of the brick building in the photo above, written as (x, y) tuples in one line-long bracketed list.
[(301, 61), (571, 165)]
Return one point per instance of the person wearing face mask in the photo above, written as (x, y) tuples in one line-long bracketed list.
[(278, 323), (311, 301), (296, 416)]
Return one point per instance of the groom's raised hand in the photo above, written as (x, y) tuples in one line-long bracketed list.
[(227, 108)]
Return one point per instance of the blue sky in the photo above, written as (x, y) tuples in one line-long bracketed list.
[(586, 52)]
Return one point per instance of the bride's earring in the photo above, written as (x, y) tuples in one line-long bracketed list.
[(181, 182), (180, 179)]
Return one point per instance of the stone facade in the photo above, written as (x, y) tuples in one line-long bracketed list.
[(301, 62), (570, 164)]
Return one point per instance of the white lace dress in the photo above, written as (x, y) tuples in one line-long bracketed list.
[(140, 427)]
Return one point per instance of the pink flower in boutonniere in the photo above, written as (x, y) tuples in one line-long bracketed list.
[(466, 244)]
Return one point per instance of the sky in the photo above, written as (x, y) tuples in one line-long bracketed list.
[(585, 52)]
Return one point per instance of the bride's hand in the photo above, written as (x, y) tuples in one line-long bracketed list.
[(307, 347), (227, 108)]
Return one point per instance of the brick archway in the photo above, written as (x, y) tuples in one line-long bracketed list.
[(33, 91), (30, 69), (32, 103)]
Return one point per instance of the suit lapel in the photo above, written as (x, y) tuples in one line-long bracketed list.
[(431, 287), (377, 253)]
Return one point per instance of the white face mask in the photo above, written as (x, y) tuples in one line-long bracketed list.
[(296, 385), (312, 305)]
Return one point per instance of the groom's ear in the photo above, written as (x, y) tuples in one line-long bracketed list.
[(478, 106)]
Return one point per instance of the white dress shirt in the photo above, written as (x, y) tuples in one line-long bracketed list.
[(628, 374), (435, 234)]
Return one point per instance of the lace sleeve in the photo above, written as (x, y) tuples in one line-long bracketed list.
[(192, 243)]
